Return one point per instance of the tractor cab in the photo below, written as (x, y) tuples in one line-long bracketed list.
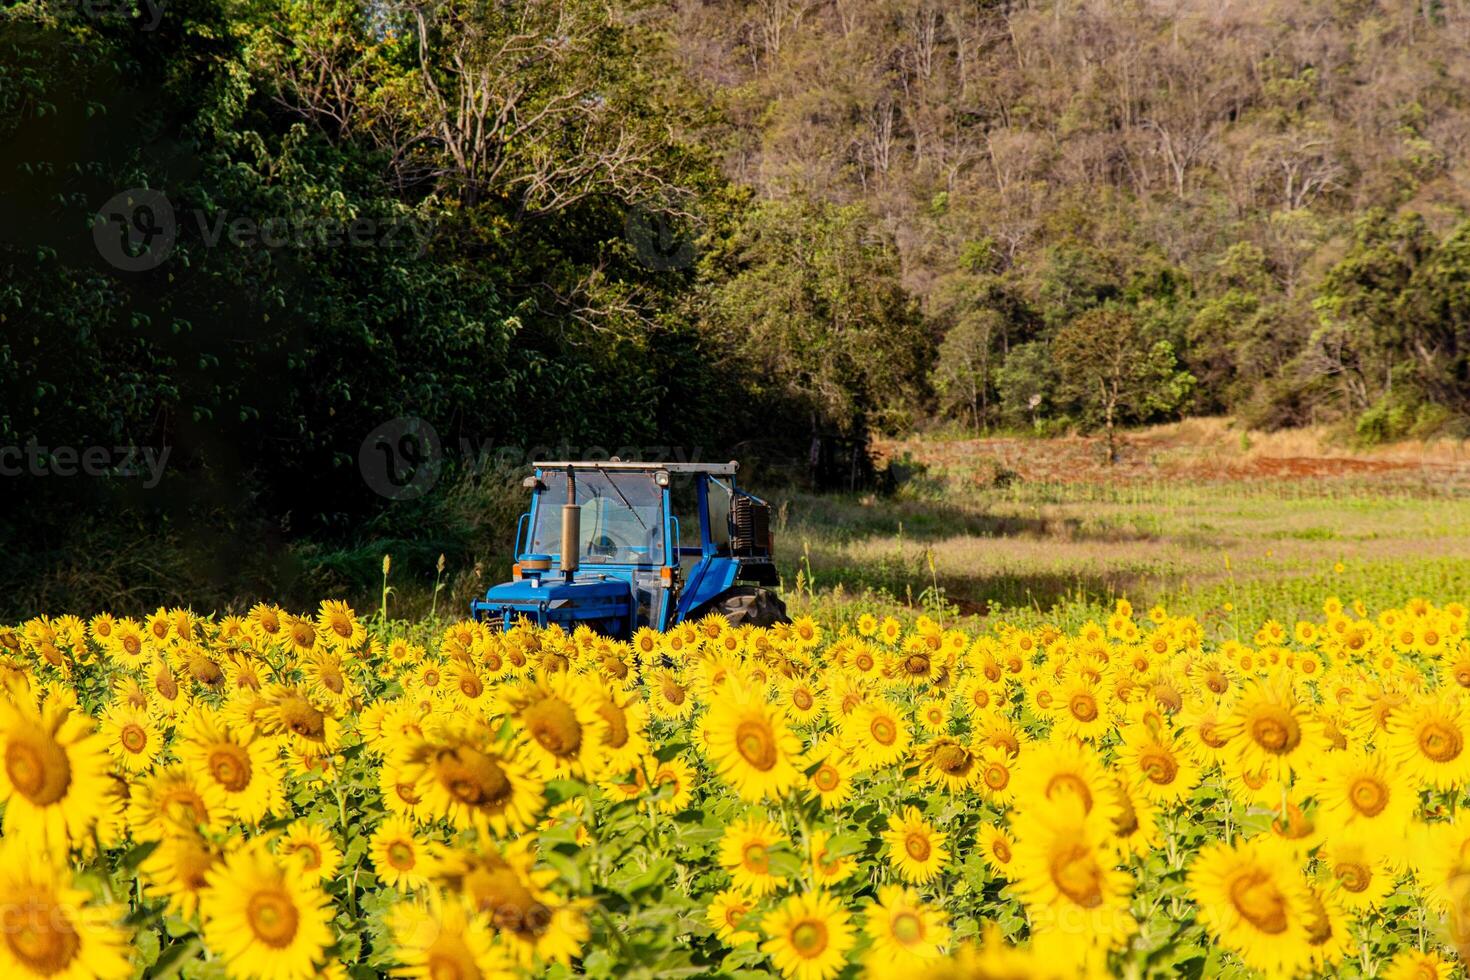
[(616, 546)]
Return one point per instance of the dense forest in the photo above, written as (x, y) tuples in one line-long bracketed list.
[(242, 236)]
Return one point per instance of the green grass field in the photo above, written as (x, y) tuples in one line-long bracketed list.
[(967, 535)]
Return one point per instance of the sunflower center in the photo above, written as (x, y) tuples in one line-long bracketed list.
[(917, 846), (273, 918), (884, 731), (756, 744), (230, 766), (1258, 900), (553, 724), (1440, 742), (1001, 850), (1353, 875), (802, 698), (673, 693), (997, 776), (953, 760), (331, 679), (511, 905), (133, 737), (473, 778), (400, 855), (1077, 875), (1277, 732), (1368, 796), (617, 725), (300, 718), (37, 766), (1159, 765), (1209, 733), (1083, 707), (756, 858), (341, 626), (826, 778), (132, 645), (164, 684), (809, 938), (907, 928), (39, 934)]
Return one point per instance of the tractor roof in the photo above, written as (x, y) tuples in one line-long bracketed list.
[(713, 469)]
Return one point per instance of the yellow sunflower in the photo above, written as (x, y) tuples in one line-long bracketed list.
[(463, 773), (810, 937), (178, 869), (673, 782), (727, 913), (503, 885), (1251, 898), (54, 781), (172, 799), (246, 770), (132, 737), (877, 734), (1427, 741), (916, 850), (1049, 772), (290, 713), (904, 934), (399, 858), (1065, 873), (751, 745), (669, 698), (827, 866), (263, 918), (49, 927), (996, 848), (1364, 790), (745, 852), (443, 941), (1164, 772), (562, 727), (1355, 864), (337, 626), (830, 779), (1270, 729), (310, 846)]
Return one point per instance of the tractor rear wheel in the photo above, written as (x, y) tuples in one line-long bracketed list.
[(746, 605)]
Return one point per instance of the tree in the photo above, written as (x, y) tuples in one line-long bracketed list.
[(961, 376), (814, 302), (1115, 372)]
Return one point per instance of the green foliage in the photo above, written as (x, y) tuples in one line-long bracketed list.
[(814, 304)]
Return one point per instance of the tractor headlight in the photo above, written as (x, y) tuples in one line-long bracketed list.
[(661, 477)]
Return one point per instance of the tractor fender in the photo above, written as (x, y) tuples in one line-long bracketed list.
[(744, 605)]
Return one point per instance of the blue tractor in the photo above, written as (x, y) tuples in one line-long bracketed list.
[(604, 545)]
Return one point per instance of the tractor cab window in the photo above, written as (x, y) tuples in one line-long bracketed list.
[(685, 498), (622, 517)]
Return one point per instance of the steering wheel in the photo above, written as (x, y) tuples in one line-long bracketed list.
[(603, 546)]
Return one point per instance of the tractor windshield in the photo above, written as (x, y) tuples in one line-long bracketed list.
[(622, 517)]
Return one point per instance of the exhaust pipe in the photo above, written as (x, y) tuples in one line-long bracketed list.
[(571, 527)]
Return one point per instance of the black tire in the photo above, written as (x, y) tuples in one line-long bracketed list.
[(746, 605)]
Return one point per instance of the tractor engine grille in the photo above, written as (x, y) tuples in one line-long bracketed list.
[(750, 527)]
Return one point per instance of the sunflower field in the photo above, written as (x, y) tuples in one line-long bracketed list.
[(286, 796)]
